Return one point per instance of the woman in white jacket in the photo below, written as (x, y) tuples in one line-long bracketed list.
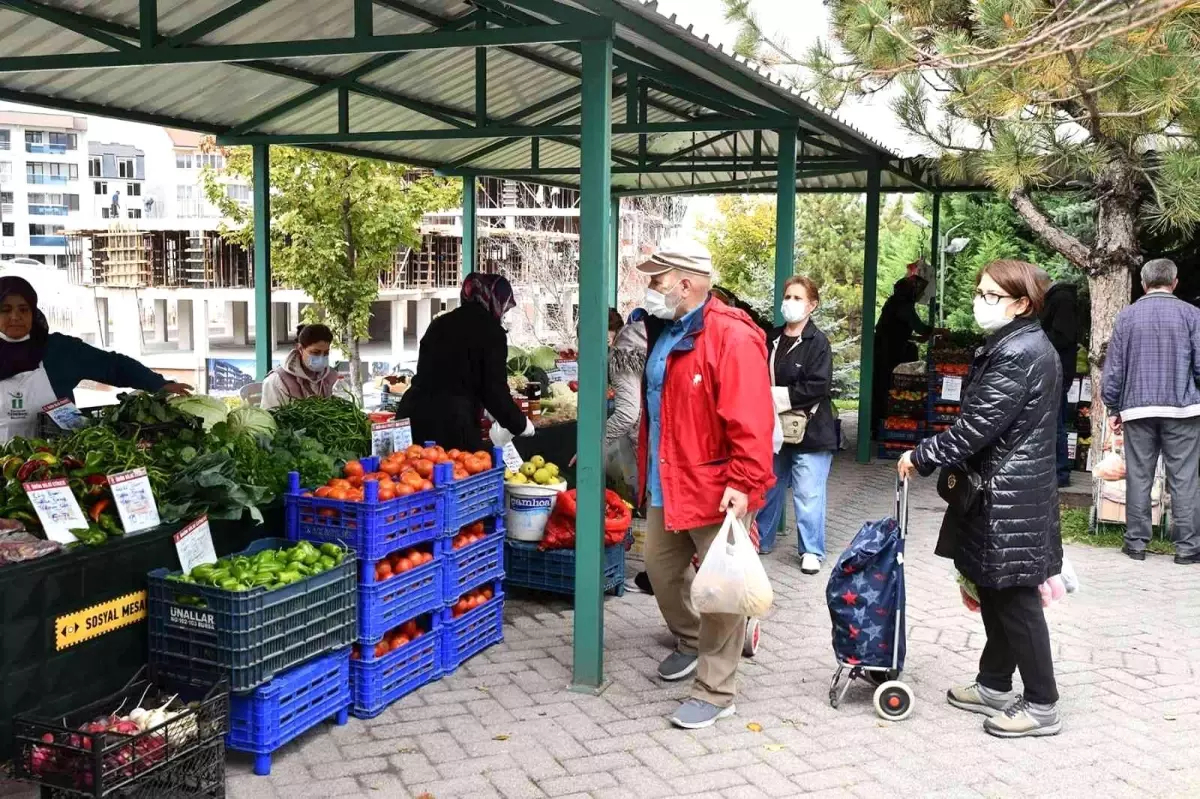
[(306, 372)]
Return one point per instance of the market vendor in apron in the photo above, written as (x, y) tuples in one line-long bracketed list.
[(38, 367)]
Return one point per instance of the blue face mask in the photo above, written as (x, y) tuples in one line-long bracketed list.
[(315, 363)]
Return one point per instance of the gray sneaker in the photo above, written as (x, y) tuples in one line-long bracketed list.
[(1024, 719), (695, 714), (677, 666), (976, 698)]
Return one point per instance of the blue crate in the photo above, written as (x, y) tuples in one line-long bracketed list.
[(473, 565), (473, 632), (378, 682), (382, 606), (907, 436), (526, 566), (288, 706), (471, 499), (248, 637), (371, 528)]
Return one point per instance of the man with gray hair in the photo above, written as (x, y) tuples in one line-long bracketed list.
[(1150, 390)]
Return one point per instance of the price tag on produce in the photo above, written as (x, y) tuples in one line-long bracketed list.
[(512, 458), (194, 545), (65, 414), (57, 509), (135, 501), (568, 369), (402, 435), (952, 389), (383, 438), (1085, 390), (1073, 391)]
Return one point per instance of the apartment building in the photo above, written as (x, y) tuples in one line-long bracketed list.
[(41, 164), (118, 174), (189, 203)]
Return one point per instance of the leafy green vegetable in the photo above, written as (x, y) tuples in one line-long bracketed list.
[(544, 358), (338, 424), (209, 484), (210, 410), (150, 418), (251, 421)]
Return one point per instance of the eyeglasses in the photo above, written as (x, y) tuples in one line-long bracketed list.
[(991, 297)]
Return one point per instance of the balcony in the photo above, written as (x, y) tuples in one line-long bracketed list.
[(47, 210), (48, 241), (46, 149), (6, 209), (47, 180)]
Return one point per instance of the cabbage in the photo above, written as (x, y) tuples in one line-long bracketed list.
[(251, 421), (518, 360), (544, 358), (210, 409)]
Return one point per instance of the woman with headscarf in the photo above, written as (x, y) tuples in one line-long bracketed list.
[(462, 370), (894, 333), (38, 367)]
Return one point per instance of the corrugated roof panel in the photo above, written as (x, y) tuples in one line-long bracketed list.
[(21, 33)]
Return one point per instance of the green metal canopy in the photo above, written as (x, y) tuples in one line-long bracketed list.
[(607, 96)]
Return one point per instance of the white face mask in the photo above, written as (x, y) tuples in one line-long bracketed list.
[(991, 318), (657, 304), (794, 311), (315, 363), (14, 340)]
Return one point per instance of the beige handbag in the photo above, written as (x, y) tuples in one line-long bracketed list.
[(793, 423)]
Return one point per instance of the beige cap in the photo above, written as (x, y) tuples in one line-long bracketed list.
[(686, 255)]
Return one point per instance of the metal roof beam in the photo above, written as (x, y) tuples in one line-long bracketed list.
[(311, 48), (700, 145), (148, 23), (77, 23), (215, 22), (498, 132), (821, 165)]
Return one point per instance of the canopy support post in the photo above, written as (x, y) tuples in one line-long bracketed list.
[(470, 243), (594, 271), (785, 216), (614, 255), (261, 157), (935, 259), (870, 279)]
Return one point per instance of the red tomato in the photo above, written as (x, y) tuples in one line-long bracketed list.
[(353, 469)]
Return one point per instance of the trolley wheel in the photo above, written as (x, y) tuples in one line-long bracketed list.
[(893, 701), (753, 634)]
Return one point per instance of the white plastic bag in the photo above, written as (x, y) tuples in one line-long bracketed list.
[(732, 578), (1069, 577)]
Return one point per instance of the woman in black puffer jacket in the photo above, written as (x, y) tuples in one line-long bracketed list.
[(1009, 543)]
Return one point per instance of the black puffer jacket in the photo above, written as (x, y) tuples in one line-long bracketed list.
[(1006, 433)]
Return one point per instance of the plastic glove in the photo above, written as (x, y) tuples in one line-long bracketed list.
[(499, 435), (529, 429)]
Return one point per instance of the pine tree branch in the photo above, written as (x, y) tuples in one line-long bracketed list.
[(1057, 239)]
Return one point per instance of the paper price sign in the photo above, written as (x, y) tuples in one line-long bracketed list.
[(952, 389), (512, 458), (64, 414), (135, 501), (57, 509), (401, 435), (383, 439), (194, 545), (1085, 390), (568, 369)]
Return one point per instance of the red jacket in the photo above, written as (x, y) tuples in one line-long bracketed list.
[(716, 418)]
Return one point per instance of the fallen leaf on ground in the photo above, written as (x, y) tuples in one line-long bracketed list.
[(754, 726), (500, 737)]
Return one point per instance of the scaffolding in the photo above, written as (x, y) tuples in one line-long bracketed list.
[(123, 257)]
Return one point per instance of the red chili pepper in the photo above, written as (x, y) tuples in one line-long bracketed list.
[(96, 510)]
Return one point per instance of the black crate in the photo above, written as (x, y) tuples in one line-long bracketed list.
[(34, 673), (55, 753), (200, 775)]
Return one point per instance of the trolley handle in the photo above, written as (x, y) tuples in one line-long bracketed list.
[(902, 484)]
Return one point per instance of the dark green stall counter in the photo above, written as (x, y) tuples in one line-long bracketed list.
[(33, 673)]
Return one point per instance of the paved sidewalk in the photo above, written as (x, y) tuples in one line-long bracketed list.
[(1127, 653)]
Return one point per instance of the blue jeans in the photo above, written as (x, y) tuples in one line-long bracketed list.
[(806, 473)]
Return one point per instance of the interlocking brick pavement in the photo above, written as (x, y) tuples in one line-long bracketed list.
[(1127, 652)]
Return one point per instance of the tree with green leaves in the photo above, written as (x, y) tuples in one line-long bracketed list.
[(336, 225), (1095, 96)]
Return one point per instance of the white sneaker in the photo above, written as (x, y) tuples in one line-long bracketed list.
[(810, 563)]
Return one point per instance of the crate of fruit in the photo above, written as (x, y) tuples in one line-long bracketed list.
[(121, 743), (288, 706), (375, 509), (252, 615), (472, 624), (471, 487), (403, 585), (408, 657), (473, 556), (527, 566)]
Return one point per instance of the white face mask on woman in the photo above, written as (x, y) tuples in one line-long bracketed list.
[(991, 318), (794, 311)]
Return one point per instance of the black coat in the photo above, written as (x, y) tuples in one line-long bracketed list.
[(807, 371), (1006, 432), (1060, 321), (461, 370)]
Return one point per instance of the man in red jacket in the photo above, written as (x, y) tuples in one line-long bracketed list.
[(704, 448)]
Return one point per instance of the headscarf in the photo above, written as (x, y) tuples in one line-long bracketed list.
[(23, 356), (493, 292)]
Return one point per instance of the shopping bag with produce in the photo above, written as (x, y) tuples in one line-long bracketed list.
[(731, 577)]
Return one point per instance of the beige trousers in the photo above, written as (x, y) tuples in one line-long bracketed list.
[(717, 638)]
